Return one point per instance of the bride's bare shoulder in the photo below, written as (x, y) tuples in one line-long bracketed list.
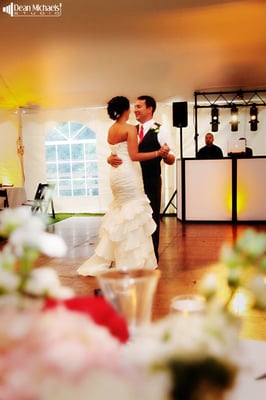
[(132, 128), (119, 132)]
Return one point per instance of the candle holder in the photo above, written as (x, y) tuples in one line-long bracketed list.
[(187, 304)]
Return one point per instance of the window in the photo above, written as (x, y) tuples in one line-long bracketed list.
[(71, 162)]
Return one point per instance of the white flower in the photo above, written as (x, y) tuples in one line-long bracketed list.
[(27, 238), (14, 218), (155, 128), (52, 245), (28, 231), (30, 237), (184, 338), (44, 281), (258, 287), (252, 243), (61, 292), (209, 285), (9, 281), (7, 258), (245, 263)]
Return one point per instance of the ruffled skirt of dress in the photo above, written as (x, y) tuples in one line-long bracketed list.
[(124, 238)]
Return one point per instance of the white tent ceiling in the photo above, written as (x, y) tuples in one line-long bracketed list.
[(100, 48)]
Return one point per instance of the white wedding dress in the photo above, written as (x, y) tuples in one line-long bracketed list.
[(125, 233)]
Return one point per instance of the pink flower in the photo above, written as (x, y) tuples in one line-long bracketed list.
[(57, 345)]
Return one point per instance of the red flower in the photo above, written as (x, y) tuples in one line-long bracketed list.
[(99, 310)]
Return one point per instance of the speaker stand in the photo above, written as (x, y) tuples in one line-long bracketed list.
[(181, 142), (170, 202)]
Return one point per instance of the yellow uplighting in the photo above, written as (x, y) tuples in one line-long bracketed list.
[(228, 199), (11, 173), (242, 197)]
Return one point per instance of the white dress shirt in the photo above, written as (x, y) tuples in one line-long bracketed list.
[(163, 135)]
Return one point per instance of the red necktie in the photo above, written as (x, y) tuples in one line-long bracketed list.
[(141, 133)]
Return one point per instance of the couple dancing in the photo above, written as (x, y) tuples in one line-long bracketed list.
[(129, 233)]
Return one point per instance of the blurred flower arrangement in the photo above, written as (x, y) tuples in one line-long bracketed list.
[(201, 354), (245, 263), (197, 356), (27, 238), (58, 354), (68, 346)]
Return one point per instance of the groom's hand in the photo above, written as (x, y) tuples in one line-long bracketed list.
[(114, 161)]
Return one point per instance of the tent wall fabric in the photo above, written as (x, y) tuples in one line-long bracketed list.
[(11, 170), (35, 125)]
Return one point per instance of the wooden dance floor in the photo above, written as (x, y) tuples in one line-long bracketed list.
[(187, 252)]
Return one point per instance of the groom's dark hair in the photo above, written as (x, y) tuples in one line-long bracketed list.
[(150, 102)]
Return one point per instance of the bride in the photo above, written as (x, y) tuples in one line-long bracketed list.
[(125, 233)]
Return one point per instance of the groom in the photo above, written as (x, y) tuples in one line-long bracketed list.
[(154, 137)]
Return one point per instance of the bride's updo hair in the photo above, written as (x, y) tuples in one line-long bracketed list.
[(116, 106)]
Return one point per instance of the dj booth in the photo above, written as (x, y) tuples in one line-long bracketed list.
[(228, 189)]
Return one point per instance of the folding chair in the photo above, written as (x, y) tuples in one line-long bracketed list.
[(43, 199), (3, 199)]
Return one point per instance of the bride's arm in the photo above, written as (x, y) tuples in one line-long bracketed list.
[(132, 143)]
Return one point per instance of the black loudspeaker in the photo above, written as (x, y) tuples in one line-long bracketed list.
[(180, 114)]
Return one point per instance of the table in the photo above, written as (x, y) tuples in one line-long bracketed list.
[(16, 195), (252, 365), (228, 189)]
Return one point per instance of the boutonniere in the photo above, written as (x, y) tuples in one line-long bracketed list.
[(155, 128)]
